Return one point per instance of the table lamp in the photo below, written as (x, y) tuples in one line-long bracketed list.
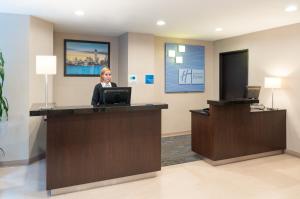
[(273, 83), (46, 65)]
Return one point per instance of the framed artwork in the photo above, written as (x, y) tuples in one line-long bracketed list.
[(184, 68), (85, 58)]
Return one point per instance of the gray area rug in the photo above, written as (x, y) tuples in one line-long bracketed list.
[(177, 150)]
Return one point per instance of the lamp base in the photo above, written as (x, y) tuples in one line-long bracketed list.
[(272, 109), (47, 106)]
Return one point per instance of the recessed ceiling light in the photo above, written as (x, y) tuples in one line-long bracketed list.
[(219, 29), (291, 8), (160, 23), (79, 13)]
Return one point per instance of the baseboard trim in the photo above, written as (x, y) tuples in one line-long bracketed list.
[(98, 184), (242, 158), (293, 153), (14, 163), (176, 134)]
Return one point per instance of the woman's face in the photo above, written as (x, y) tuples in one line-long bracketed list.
[(106, 76)]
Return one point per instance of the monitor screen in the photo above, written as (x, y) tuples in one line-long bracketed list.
[(116, 95), (252, 92)]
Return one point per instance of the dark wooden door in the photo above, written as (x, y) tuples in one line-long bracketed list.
[(233, 74)]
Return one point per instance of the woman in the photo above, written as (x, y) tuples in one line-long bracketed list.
[(105, 81)]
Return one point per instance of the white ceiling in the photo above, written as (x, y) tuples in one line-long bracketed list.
[(195, 19)]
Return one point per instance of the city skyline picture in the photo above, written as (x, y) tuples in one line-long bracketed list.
[(85, 58)]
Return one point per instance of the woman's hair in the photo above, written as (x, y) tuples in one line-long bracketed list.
[(104, 70)]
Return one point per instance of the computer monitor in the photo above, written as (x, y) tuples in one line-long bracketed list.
[(252, 92), (116, 96)]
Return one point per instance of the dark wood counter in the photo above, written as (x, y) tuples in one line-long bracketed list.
[(233, 101), (234, 130), (73, 110), (89, 144)]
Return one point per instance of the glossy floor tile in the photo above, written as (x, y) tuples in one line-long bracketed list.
[(274, 177)]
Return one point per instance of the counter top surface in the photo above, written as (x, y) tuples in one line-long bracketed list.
[(233, 101), (252, 110), (200, 111), (36, 109)]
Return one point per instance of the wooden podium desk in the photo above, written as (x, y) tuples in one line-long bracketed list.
[(231, 131), (97, 146)]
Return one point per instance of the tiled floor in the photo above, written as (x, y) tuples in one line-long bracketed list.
[(265, 178)]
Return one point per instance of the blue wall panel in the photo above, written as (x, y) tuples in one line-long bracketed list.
[(188, 76)]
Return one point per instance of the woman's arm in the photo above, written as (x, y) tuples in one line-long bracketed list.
[(96, 95)]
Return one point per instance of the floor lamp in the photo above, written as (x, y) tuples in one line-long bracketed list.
[(46, 65), (273, 83)]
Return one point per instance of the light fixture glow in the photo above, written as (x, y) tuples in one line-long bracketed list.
[(272, 82), (172, 53), (219, 29), (79, 13), (160, 23), (181, 48), (291, 8), (179, 60)]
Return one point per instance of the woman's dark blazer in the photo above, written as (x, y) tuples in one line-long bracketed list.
[(96, 99)]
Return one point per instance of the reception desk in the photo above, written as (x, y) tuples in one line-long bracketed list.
[(106, 144), (231, 131)]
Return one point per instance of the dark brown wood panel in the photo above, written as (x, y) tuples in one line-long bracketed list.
[(201, 141), (233, 130), (93, 147), (227, 121)]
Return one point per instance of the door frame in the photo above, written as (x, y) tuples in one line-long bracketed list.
[(221, 67)]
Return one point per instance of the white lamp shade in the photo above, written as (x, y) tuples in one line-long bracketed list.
[(45, 65), (272, 82)]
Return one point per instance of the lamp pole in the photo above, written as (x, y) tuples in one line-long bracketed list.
[(46, 91), (272, 97)]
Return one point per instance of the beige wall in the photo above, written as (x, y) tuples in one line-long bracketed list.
[(123, 60), (40, 43), (141, 62), (22, 38), (78, 90), (272, 52), (178, 118), (146, 56)]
